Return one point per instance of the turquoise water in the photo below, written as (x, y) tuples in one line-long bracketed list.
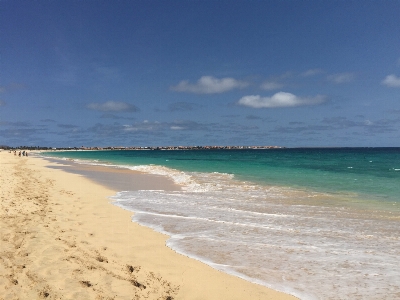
[(283, 218), (371, 172)]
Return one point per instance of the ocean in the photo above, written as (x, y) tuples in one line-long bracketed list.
[(317, 223)]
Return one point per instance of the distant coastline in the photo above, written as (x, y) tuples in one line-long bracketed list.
[(141, 148), (119, 148)]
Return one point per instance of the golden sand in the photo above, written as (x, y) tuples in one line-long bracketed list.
[(60, 238)]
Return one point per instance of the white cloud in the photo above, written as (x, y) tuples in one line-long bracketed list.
[(150, 126), (341, 77), (271, 85), (177, 128), (312, 72), (144, 126), (113, 106), (280, 99), (391, 81), (368, 123), (209, 85)]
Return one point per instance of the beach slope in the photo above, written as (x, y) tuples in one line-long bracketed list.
[(60, 238)]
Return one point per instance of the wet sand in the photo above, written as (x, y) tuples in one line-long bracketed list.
[(117, 179), (61, 238)]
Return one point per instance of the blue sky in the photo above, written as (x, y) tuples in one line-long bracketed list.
[(150, 73)]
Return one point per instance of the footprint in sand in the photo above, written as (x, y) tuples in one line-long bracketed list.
[(85, 283)]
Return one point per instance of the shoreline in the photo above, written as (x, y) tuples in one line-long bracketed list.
[(51, 217)]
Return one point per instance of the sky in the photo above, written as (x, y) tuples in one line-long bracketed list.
[(210, 72)]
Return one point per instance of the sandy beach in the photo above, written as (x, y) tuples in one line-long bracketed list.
[(61, 238)]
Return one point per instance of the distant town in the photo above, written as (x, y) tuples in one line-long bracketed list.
[(38, 148)]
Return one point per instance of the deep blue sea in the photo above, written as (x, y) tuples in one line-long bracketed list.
[(316, 223)]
